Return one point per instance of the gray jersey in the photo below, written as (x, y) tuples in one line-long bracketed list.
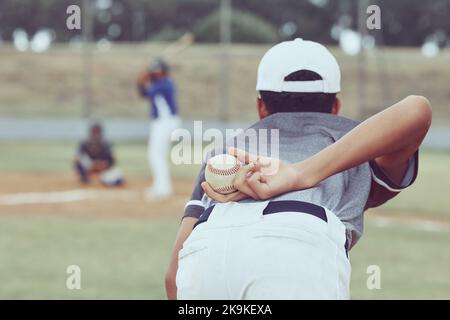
[(347, 194)]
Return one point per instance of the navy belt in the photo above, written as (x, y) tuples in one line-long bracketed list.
[(280, 206)]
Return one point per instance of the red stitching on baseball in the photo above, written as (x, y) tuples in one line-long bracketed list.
[(225, 189), (224, 172)]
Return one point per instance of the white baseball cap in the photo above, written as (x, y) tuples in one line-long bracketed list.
[(291, 56)]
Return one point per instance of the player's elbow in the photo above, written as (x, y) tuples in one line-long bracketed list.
[(421, 112)]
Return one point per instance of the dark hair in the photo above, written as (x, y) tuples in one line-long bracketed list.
[(96, 126), (160, 65), (299, 102)]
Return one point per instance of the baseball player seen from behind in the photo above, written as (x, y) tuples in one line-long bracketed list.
[(158, 87), (287, 234)]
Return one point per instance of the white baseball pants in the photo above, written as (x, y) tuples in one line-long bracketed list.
[(239, 253), (158, 151)]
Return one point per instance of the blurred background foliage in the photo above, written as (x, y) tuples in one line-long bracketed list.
[(245, 27), (409, 22)]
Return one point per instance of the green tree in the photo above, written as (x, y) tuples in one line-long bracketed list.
[(245, 27)]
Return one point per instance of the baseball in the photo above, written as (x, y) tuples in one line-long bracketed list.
[(220, 172)]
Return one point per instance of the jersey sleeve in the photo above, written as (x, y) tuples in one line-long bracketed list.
[(146, 90), (151, 90), (81, 148), (196, 205), (383, 188)]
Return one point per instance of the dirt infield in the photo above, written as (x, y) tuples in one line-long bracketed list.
[(61, 194), (29, 193)]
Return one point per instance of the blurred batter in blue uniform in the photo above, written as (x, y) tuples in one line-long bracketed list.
[(156, 85)]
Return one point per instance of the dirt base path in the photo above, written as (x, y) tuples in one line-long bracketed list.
[(60, 194)]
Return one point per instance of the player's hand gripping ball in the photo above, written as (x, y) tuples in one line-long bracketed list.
[(220, 173)]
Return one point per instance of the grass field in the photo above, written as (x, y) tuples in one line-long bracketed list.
[(119, 258), (122, 255), (51, 84), (125, 258), (427, 195)]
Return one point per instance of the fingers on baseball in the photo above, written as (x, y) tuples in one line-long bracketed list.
[(234, 196), (242, 155), (266, 165), (210, 192), (240, 181), (242, 174)]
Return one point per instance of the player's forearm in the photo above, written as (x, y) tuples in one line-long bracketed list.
[(183, 233), (398, 131)]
